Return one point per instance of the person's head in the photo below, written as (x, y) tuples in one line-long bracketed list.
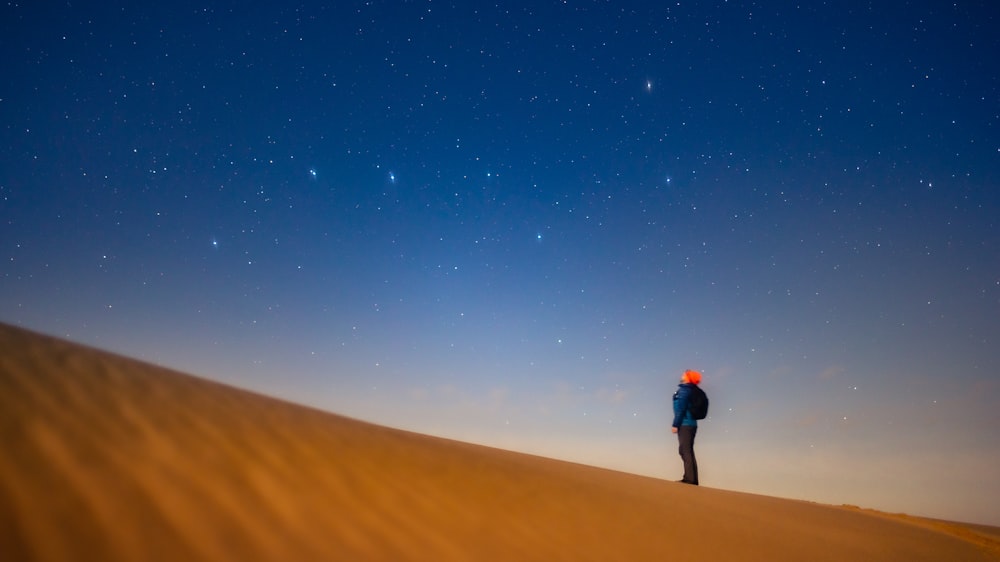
[(692, 377)]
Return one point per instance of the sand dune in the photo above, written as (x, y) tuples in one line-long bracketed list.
[(106, 458)]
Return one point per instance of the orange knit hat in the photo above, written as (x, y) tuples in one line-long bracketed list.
[(693, 377)]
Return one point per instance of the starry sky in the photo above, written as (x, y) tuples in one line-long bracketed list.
[(517, 224)]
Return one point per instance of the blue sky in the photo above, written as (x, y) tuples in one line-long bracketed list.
[(518, 224)]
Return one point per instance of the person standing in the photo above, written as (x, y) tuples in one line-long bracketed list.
[(685, 425)]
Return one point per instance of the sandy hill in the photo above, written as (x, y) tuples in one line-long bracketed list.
[(106, 458)]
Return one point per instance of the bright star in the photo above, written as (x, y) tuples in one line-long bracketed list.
[(392, 177), (312, 173)]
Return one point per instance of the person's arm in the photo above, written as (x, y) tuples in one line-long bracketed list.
[(680, 406)]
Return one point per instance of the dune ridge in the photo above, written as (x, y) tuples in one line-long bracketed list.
[(109, 458)]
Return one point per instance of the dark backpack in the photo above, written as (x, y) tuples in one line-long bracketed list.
[(698, 403)]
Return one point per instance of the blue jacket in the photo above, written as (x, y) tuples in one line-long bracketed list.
[(681, 414)]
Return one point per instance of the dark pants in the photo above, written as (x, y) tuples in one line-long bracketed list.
[(685, 437)]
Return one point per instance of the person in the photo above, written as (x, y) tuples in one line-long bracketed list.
[(685, 426)]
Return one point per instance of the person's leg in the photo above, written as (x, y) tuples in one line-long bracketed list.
[(685, 438)]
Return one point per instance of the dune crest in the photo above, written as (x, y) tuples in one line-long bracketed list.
[(107, 458)]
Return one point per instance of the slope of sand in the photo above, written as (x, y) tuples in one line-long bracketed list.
[(106, 458)]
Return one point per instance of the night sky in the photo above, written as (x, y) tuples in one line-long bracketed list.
[(518, 224)]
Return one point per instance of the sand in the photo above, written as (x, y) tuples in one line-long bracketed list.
[(107, 458)]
